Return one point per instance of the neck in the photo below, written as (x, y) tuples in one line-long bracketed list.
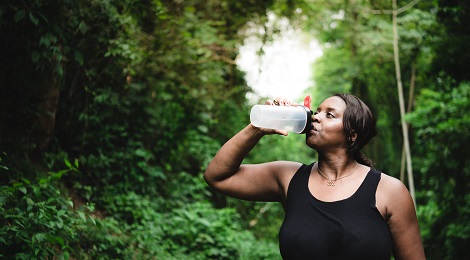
[(336, 168)]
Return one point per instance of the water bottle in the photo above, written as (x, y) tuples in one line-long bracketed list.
[(297, 119)]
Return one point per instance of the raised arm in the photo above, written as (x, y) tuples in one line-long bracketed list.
[(259, 182)]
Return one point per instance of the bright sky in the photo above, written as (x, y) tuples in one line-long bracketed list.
[(285, 69)]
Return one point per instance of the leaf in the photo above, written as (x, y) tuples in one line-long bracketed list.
[(33, 19), (78, 57), (25, 181), (3, 199), (82, 216), (29, 201), (46, 40), (23, 189), (39, 237), (67, 163), (61, 213), (204, 222), (92, 220), (19, 15), (35, 56), (203, 128), (60, 240), (83, 27)]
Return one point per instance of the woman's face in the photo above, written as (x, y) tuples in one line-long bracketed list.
[(328, 129)]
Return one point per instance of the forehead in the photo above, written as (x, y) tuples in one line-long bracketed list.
[(333, 103)]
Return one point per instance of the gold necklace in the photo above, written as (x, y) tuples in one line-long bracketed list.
[(332, 182)]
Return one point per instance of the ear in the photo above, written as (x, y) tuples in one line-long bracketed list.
[(353, 136)]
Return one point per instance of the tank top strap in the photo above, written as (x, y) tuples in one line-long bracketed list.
[(299, 180), (367, 190), (303, 172)]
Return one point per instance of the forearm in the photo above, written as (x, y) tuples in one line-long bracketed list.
[(228, 159)]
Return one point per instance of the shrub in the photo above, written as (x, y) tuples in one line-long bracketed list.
[(37, 220)]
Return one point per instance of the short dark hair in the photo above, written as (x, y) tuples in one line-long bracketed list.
[(357, 119)]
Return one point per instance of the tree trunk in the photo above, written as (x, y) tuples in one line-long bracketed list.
[(402, 102), (408, 110), (43, 126)]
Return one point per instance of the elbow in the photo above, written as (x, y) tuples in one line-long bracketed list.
[(212, 181), (206, 177), (215, 178), (209, 177)]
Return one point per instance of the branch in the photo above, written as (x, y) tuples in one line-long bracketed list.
[(218, 53), (407, 6), (215, 58), (399, 10)]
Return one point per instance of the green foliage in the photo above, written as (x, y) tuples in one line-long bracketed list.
[(38, 220), (139, 229), (442, 125), (207, 234), (148, 92), (442, 128), (453, 16)]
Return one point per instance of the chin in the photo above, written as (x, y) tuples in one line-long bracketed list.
[(309, 141)]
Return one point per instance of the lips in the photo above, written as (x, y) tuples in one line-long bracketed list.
[(312, 129)]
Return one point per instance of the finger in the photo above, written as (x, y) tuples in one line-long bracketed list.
[(284, 133), (277, 101), (280, 101), (270, 131)]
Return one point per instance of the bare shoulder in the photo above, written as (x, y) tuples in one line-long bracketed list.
[(284, 171), (285, 167), (391, 185), (393, 196)]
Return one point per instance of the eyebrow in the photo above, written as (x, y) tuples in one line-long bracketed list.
[(329, 109)]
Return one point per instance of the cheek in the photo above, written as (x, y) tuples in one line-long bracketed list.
[(336, 129), (337, 132)]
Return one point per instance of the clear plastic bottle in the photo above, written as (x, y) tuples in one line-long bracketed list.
[(296, 119)]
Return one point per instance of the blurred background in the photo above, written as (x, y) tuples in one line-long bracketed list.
[(111, 110)]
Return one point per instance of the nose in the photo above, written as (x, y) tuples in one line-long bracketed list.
[(316, 117)]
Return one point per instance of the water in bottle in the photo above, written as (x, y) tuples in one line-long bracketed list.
[(288, 118)]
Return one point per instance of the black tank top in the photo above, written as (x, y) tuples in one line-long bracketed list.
[(352, 228)]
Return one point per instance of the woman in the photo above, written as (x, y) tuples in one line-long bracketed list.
[(336, 208)]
